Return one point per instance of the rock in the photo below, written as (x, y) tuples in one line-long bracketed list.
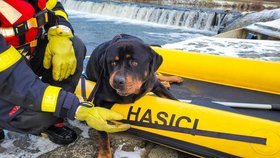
[(2, 149), (85, 148), (160, 151), (248, 19)]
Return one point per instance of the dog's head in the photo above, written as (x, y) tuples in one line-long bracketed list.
[(129, 63)]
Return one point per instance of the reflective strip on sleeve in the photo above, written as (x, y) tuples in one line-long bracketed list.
[(61, 13), (9, 58), (31, 23), (51, 4), (49, 100)]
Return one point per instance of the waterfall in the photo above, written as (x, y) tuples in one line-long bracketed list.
[(201, 19)]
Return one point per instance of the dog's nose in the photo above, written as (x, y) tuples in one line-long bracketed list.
[(119, 80)]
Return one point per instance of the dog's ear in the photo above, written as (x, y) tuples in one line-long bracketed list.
[(116, 38), (102, 58), (156, 60), (122, 36), (102, 63)]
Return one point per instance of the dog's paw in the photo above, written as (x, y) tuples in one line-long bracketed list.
[(166, 84), (177, 79), (170, 79)]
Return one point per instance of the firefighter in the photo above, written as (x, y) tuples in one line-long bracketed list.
[(41, 61)]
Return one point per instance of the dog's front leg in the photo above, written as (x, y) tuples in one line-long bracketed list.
[(161, 91), (104, 142)]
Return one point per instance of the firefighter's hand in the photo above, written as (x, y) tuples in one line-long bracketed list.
[(96, 117), (60, 53)]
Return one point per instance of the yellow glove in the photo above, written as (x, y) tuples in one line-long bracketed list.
[(96, 117), (60, 53)]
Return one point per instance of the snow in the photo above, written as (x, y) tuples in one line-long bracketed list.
[(271, 28), (29, 146), (24, 145), (119, 153), (18, 145), (82, 126)]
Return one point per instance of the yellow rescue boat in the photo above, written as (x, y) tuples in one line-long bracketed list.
[(228, 107)]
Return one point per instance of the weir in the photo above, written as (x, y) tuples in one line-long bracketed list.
[(200, 19)]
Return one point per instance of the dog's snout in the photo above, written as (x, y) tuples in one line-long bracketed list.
[(119, 80)]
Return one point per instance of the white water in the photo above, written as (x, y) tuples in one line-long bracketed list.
[(200, 19), (266, 50)]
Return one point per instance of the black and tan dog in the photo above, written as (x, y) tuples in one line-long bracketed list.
[(124, 70)]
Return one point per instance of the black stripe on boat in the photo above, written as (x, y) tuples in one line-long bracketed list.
[(185, 147), (195, 131)]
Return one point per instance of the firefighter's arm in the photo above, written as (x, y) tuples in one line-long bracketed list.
[(20, 86), (61, 15), (59, 54)]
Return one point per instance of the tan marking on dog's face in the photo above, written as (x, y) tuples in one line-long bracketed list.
[(146, 74), (117, 58), (132, 85), (111, 79), (127, 56)]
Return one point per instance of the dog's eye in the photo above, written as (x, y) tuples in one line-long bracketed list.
[(114, 63), (133, 63)]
